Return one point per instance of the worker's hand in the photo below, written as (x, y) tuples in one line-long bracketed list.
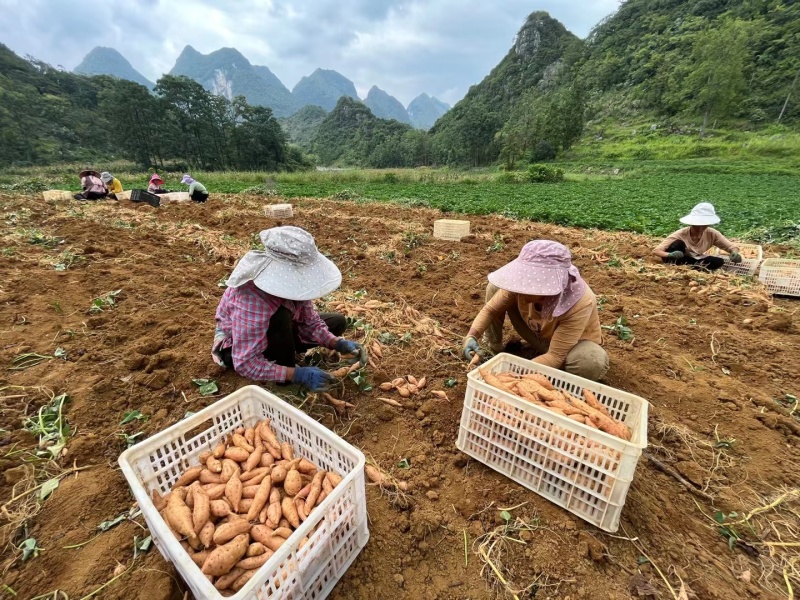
[(736, 258), (313, 378), (675, 254), (344, 346), (471, 347)]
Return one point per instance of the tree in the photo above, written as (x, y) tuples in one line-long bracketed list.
[(138, 122), (720, 59)]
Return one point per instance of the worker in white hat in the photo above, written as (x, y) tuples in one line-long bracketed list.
[(267, 315), (688, 246)]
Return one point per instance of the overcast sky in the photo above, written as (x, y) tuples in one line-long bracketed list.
[(403, 46)]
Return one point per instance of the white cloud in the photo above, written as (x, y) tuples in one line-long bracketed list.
[(403, 46)]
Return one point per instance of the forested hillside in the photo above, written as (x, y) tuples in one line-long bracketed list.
[(108, 61)]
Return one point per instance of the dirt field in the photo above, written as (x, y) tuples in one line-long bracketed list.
[(714, 363)]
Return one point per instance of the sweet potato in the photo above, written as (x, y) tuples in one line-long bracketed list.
[(188, 477), (260, 533), (255, 457), (306, 467), (244, 506), (226, 581), (293, 482), (206, 534), (249, 491), (214, 464), (411, 379), (179, 516), (274, 542), (255, 549), (578, 418), (224, 558), (214, 491), (333, 478), (440, 394), (542, 380), (267, 460), (159, 501), (243, 579), (219, 450), (250, 436), (238, 454), (260, 498), (233, 492), (201, 511), (283, 523), (229, 467), (204, 456), (300, 506), (239, 441), (198, 558), (283, 532), (246, 476), (239, 430), (592, 401), (207, 476), (289, 511), (274, 513), (268, 435), (314, 492), (219, 508), (227, 531), (396, 383), (254, 562), (423, 381), (287, 452), (386, 386)]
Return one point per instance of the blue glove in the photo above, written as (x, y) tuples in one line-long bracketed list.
[(471, 347), (676, 254), (736, 258), (344, 346), (313, 378)]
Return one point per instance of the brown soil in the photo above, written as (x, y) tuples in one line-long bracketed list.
[(711, 364)]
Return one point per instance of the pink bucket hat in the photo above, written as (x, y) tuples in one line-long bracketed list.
[(156, 177), (543, 268)]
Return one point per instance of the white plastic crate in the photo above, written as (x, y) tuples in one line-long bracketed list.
[(584, 470), (51, 195), (176, 197), (279, 211), (311, 572), (450, 229), (126, 195), (781, 276), (752, 255)]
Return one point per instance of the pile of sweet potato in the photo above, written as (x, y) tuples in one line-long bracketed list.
[(538, 389), (248, 495)]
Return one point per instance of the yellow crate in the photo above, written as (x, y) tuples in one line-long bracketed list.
[(450, 229)]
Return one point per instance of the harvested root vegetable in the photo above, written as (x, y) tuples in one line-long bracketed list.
[(592, 401), (396, 383), (254, 562), (179, 516), (206, 534), (233, 492), (377, 350), (213, 464), (289, 511), (340, 405), (287, 452), (412, 389), (228, 531), (391, 402), (243, 579), (237, 454), (293, 483), (158, 500), (226, 581), (260, 498), (423, 381), (404, 391), (223, 558), (241, 442), (385, 387), (255, 458), (247, 476), (314, 492), (476, 358), (440, 394), (306, 467), (384, 480), (411, 379), (207, 476), (268, 435), (229, 467), (201, 511), (334, 478), (189, 476), (219, 508), (339, 373)]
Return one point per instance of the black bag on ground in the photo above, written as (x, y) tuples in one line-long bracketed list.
[(145, 196)]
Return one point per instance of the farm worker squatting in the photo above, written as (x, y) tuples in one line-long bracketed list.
[(112, 184), (93, 186), (688, 246), (267, 313), (197, 191), (156, 185), (550, 306)]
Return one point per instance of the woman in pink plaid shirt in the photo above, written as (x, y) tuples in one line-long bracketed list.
[(267, 315)]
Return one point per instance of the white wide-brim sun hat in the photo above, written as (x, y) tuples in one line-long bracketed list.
[(702, 214), (289, 267)]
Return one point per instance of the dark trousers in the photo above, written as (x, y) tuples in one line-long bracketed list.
[(710, 263), (90, 196), (199, 196), (283, 337)]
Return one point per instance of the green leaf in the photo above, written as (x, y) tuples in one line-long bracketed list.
[(29, 549), (719, 516), (60, 353), (207, 386), (404, 464), (48, 487), (133, 415), (106, 525), (505, 515), (451, 382), (642, 560), (142, 545)]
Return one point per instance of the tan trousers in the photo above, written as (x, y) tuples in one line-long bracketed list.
[(586, 359)]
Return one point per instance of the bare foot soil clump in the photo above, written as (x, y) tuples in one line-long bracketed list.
[(113, 305)]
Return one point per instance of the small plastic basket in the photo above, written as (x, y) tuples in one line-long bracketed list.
[(279, 211), (337, 528), (176, 197), (584, 470), (126, 195), (781, 276), (752, 255), (449, 229), (51, 195)]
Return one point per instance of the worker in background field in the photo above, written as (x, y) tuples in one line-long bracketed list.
[(156, 185), (688, 246), (93, 186), (550, 306), (267, 315), (197, 191), (112, 184)]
